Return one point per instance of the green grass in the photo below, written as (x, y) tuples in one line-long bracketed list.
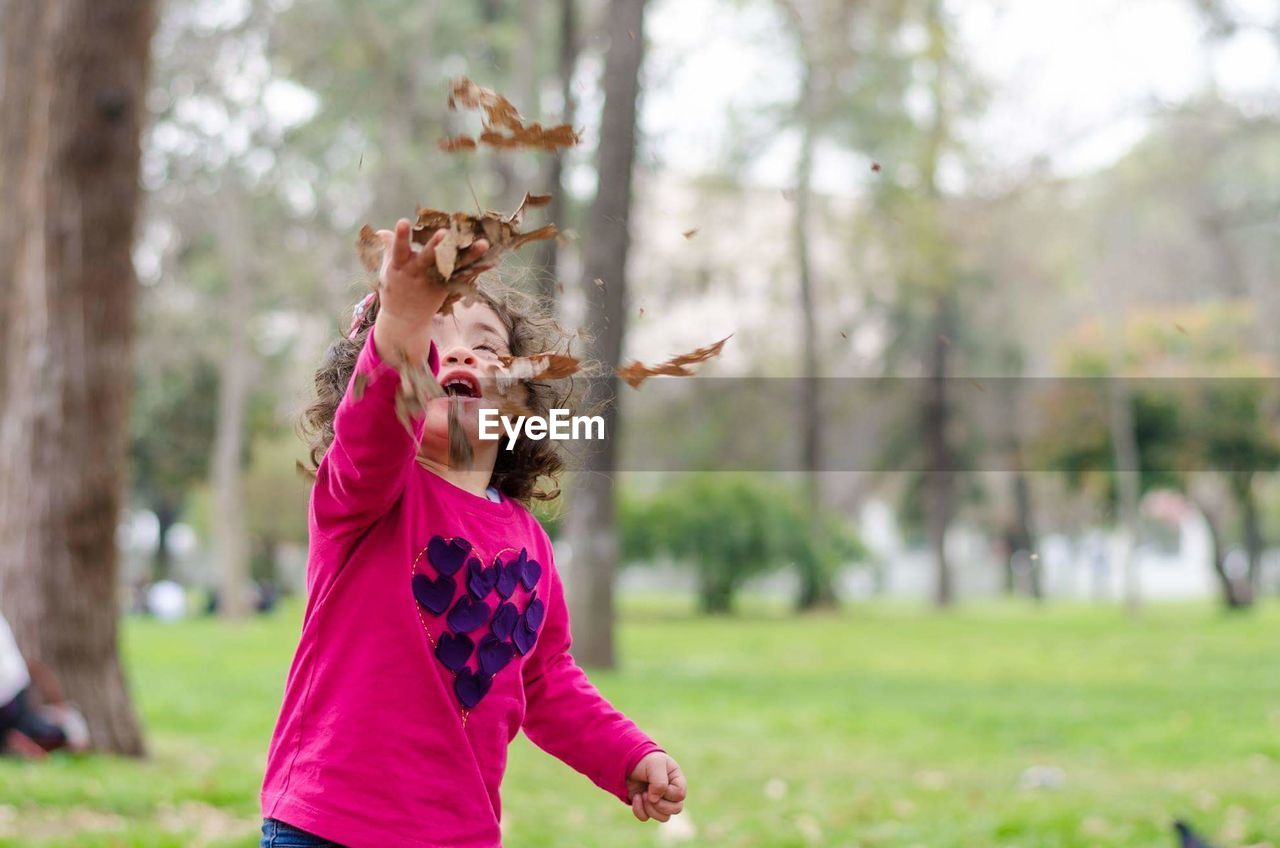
[(880, 726)]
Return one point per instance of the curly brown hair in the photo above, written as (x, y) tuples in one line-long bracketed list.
[(531, 329)]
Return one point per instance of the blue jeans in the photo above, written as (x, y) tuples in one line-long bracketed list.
[(277, 834)]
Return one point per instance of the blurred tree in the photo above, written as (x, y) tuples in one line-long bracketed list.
[(591, 520), (732, 526), (173, 422), (75, 75), (1200, 421)]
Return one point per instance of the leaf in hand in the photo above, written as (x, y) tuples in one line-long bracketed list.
[(678, 366)]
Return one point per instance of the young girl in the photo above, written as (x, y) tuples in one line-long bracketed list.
[(436, 624)]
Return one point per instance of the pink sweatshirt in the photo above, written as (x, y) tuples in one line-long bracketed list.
[(435, 629)]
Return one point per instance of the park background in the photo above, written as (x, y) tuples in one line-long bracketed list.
[(1060, 635)]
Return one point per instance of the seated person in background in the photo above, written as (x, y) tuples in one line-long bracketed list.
[(30, 728)]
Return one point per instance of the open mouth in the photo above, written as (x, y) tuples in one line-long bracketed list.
[(460, 384)]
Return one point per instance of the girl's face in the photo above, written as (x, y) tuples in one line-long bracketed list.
[(469, 342)]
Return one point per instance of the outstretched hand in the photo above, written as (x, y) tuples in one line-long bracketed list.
[(657, 787), (410, 290)]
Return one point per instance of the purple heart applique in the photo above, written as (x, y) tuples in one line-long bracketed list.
[(447, 555), (508, 577), (480, 580), (494, 654), (530, 571), (467, 614), (504, 620), (524, 637), (470, 686), (453, 650), (436, 594), (534, 613)]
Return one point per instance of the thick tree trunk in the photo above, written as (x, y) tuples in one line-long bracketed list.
[(74, 102), (591, 521), (1247, 498), (231, 534)]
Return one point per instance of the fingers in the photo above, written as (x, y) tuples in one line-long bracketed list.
[(656, 777), (637, 806), (654, 811), (401, 250), (677, 789)]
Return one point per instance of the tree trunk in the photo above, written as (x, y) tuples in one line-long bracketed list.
[(940, 477), (166, 516), (816, 588), (548, 252), (231, 535), (1232, 596), (75, 80), (591, 524), (1247, 498)]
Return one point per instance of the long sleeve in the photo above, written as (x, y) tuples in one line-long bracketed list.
[(364, 471), (566, 716)]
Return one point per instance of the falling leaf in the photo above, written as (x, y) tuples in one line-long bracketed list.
[(358, 383), (1181, 329), (632, 34), (460, 453), (560, 288), (978, 385), (788, 194), (875, 166), (690, 233), (843, 334), (539, 366), (503, 126), (599, 283), (678, 366), (642, 312), (360, 164), (456, 143)]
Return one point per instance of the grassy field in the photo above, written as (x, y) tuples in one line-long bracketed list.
[(880, 726)]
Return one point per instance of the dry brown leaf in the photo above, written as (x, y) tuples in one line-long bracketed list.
[(843, 334), (358, 383), (690, 233), (503, 126), (456, 143), (502, 233), (539, 366), (678, 366), (1181, 329), (875, 166), (599, 283)]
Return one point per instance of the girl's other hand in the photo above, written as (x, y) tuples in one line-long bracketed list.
[(657, 787)]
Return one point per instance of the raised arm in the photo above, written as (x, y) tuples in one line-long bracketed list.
[(566, 716), (364, 470)]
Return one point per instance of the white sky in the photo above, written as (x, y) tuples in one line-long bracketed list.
[(1070, 80)]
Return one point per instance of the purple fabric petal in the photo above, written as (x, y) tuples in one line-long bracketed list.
[(448, 555), (534, 612), (530, 571), (494, 654), (508, 577), (434, 595), (453, 650), (524, 637), (470, 686), (467, 614), (480, 580), (504, 620)]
